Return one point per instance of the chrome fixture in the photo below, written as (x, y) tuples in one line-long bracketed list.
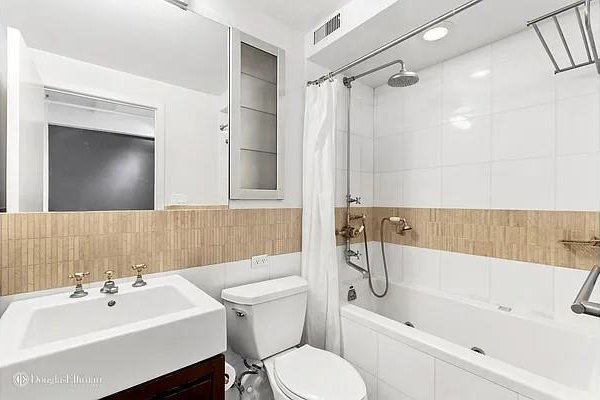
[(395, 42), (349, 231), (112, 303), (593, 242), (402, 226), (139, 281), (109, 286), (582, 304), (403, 78), (351, 294), (79, 292), (478, 350), (409, 324), (179, 3), (587, 35)]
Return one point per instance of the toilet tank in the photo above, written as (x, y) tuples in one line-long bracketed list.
[(267, 317)]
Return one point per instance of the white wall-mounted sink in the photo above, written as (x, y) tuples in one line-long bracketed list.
[(56, 347)]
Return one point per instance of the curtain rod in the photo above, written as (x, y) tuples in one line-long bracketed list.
[(395, 42)]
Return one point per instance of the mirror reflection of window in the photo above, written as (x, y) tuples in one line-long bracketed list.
[(100, 153)]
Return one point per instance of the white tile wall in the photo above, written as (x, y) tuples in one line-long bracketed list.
[(523, 286), (406, 369), (491, 129), (452, 383), (212, 279), (361, 145), (360, 346), (467, 276), (534, 289)]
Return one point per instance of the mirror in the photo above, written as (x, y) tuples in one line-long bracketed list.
[(113, 105)]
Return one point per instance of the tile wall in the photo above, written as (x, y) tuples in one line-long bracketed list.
[(39, 250)]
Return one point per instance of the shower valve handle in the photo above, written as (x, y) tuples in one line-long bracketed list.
[(356, 199)]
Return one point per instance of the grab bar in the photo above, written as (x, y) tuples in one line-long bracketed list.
[(582, 304)]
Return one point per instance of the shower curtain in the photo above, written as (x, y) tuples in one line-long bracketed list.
[(319, 263)]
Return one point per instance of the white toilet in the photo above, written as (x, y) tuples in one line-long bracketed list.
[(265, 322)]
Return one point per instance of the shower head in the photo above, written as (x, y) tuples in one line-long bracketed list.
[(402, 225), (403, 78)]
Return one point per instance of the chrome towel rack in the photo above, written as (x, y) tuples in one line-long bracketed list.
[(585, 27), (582, 304)]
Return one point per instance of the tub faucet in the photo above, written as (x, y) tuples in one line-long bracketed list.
[(109, 286), (139, 281), (79, 292)]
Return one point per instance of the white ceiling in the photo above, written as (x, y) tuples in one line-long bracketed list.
[(486, 22), (299, 14), (150, 38)]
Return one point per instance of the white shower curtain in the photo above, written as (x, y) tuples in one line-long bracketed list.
[(319, 266)]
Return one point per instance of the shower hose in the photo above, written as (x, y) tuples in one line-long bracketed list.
[(385, 269)]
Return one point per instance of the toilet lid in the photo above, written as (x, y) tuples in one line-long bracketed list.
[(312, 374)]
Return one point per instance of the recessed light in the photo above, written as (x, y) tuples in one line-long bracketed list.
[(435, 33), (480, 74)]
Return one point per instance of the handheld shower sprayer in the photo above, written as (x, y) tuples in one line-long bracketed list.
[(402, 225)]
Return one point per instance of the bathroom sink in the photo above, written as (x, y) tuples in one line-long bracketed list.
[(59, 347)]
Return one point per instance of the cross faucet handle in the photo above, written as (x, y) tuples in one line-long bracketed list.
[(109, 274), (139, 268), (78, 276), (79, 292)]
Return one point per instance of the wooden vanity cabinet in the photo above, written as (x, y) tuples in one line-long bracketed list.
[(201, 381)]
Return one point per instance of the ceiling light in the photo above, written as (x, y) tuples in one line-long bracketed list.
[(480, 74), (435, 33)]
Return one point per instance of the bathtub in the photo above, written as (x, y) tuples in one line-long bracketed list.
[(525, 357)]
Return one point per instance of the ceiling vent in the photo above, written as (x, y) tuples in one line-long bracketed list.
[(327, 28)]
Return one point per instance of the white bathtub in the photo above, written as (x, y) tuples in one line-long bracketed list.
[(526, 357)]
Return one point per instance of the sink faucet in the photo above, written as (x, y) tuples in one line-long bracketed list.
[(109, 286), (79, 292), (139, 281)]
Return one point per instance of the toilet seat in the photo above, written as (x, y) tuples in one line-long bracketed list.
[(308, 373)]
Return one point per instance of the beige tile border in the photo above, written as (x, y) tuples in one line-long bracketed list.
[(522, 235), (39, 250)]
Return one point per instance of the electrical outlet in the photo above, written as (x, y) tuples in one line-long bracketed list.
[(260, 261)]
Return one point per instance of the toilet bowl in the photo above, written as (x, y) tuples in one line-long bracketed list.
[(265, 322)]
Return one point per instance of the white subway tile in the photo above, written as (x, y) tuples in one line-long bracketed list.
[(284, 265), (361, 117), (422, 188), (523, 133), (466, 186), (421, 266), (211, 279), (467, 140), (389, 152), (465, 275), (525, 287), (523, 80), (421, 149), (523, 184), (467, 84), (387, 392), (423, 104), (578, 183), (360, 345), (387, 189), (240, 273), (453, 383), (578, 124), (406, 369)]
